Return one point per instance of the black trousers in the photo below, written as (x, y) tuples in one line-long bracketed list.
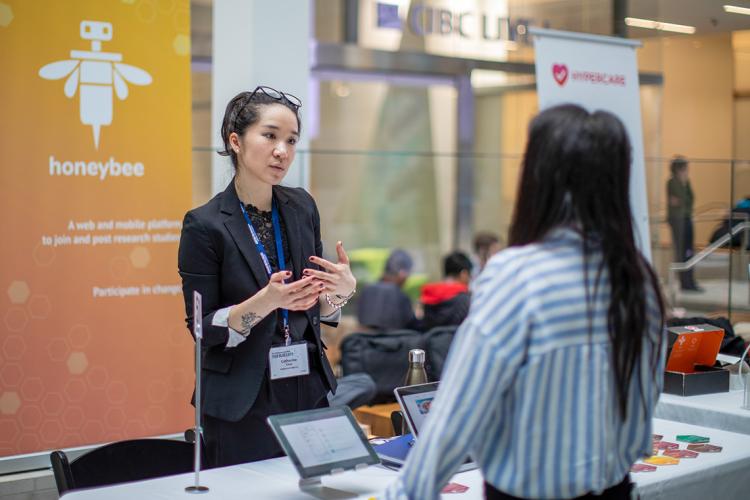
[(683, 242), (620, 491), (250, 438)]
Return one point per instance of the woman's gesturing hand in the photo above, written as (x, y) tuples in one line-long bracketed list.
[(299, 295), (336, 278)]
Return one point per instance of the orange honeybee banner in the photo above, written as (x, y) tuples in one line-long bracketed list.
[(95, 148)]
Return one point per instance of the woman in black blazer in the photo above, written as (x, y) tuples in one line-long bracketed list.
[(254, 253)]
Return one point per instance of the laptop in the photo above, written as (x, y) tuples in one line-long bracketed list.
[(415, 402)]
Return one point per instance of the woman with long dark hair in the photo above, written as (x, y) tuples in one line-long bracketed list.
[(552, 380)]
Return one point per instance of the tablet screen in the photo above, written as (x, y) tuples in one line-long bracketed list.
[(326, 441), (319, 441)]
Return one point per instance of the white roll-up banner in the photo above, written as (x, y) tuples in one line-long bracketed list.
[(597, 73)]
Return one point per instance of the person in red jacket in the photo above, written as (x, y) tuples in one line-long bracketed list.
[(446, 303)]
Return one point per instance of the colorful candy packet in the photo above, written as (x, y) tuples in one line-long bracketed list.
[(704, 448)]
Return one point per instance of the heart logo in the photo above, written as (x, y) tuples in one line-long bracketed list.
[(560, 72)]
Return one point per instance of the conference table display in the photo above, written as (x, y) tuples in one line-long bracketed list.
[(722, 410), (709, 475), (691, 355)]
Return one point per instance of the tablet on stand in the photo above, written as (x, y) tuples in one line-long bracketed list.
[(322, 442)]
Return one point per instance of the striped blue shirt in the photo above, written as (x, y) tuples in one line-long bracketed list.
[(528, 389)]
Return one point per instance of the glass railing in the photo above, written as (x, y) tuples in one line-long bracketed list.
[(718, 265), (374, 201)]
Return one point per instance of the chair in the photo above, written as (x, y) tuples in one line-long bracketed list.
[(437, 344), (383, 356), (121, 462), (397, 421)]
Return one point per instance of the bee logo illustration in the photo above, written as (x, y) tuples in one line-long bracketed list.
[(95, 73)]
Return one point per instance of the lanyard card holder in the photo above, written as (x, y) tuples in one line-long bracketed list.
[(291, 360)]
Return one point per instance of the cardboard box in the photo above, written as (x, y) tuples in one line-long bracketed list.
[(691, 355)]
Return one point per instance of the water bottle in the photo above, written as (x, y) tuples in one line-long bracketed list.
[(415, 375)]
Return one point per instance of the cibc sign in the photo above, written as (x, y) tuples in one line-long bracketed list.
[(423, 19)]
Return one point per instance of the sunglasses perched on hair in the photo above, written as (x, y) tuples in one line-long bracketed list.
[(278, 96)]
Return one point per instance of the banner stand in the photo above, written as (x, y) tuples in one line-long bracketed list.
[(598, 73)]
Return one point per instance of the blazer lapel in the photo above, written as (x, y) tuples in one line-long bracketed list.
[(291, 220), (237, 227)]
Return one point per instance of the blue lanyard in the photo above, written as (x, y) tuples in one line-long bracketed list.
[(264, 256)]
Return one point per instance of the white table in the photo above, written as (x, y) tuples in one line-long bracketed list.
[(719, 411), (708, 476), (269, 479)]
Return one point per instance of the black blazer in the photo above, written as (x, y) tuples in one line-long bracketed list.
[(217, 257)]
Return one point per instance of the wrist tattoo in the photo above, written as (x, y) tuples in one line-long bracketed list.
[(249, 320)]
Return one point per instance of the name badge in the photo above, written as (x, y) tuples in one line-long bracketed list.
[(289, 361)]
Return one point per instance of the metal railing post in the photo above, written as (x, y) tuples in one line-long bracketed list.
[(731, 240)]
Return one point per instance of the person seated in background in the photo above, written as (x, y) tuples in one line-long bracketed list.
[(384, 305), (486, 245), (446, 303)]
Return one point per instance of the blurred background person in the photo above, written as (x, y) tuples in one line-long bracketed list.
[(384, 305), (486, 245), (680, 214), (446, 303)]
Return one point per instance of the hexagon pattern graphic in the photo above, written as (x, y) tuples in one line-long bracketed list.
[(120, 267), (117, 392), (157, 391), (58, 349), (39, 306), (28, 441), (50, 432), (43, 255), (8, 430), (30, 417), (11, 374), (166, 6), (16, 319), (146, 11), (73, 418), (9, 403), (32, 389), (155, 417), (14, 347), (75, 390), (93, 431), (53, 404), (181, 45), (97, 377), (140, 257), (79, 336), (6, 15), (115, 418), (77, 363), (18, 292)]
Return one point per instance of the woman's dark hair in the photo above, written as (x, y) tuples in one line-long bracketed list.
[(576, 173), (678, 163), (243, 111)]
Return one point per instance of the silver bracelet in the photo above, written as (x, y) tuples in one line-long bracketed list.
[(338, 305)]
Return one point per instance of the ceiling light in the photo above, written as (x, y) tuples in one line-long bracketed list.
[(656, 25), (737, 10)]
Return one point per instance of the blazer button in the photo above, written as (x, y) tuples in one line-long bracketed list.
[(315, 320)]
